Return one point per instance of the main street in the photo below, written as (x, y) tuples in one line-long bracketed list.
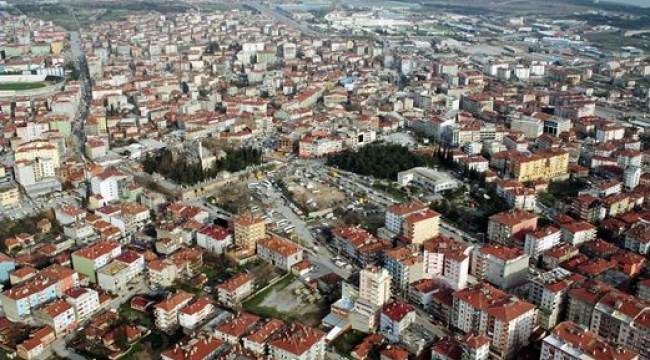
[(277, 15)]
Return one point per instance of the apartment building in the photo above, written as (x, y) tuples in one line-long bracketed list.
[(550, 292), (85, 302), (637, 239), (505, 267), (396, 214), (258, 340), (19, 301), (569, 341), (484, 309), (536, 242), (623, 320), (236, 328), (59, 315), (447, 259), (405, 266), (279, 252), (544, 164), (89, 259), (359, 245), (578, 233), (394, 318), (232, 291), (110, 184), (248, 230), (201, 347), (166, 311), (420, 226), (506, 227), (192, 315), (374, 285), (298, 342), (214, 238)]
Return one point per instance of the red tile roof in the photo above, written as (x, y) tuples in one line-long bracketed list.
[(397, 310)]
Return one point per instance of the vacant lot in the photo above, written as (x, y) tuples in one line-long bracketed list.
[(21, 86), (279, 301), (312, 195)]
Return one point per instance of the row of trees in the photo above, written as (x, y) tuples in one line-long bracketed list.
[(182, 171), (379, 160)]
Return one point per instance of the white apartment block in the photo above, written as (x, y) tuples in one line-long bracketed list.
[(374, 285), (537, 242)]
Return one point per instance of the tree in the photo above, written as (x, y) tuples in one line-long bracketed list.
[(184, 87), (211, 48), (120, 338)]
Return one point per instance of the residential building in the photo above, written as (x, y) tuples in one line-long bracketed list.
[(59, 315), (537, 242), (374, 285), (637, 239), (248, 230), (405, 266), (258, 340), (550, 291), (447, 259), (359, 245), (202, 347), (234, 290), (569, 341), (502, 266), (214, 238), (88, 260), (298, 342), (544, 164), (233, 330), (279, 252), (396, 214), (395, 317), (505, 227), (36, 344), (19, 301), (420, 226), (166, 311), (85, 302), (192, 315), (110, 184), (578, 233), (483, 309), (7, 266)]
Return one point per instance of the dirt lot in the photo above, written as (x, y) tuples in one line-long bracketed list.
[(313, 195), (280, 302)]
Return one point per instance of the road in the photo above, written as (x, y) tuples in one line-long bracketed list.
[(84, 79), (321, 258), (277, 15)]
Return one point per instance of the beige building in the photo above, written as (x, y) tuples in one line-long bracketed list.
[(9, 195), (248, 230), (374, 285), (421, 226), (545, 164)]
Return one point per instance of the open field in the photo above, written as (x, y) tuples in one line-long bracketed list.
[(313, 195), (21, 86), (280, 302)]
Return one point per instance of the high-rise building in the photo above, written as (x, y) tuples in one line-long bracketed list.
[(549, 291), (374, 285), (502, 266), (484, 309), (248, 230)]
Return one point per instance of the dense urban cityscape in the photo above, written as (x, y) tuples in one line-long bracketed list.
[(318, 179)]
